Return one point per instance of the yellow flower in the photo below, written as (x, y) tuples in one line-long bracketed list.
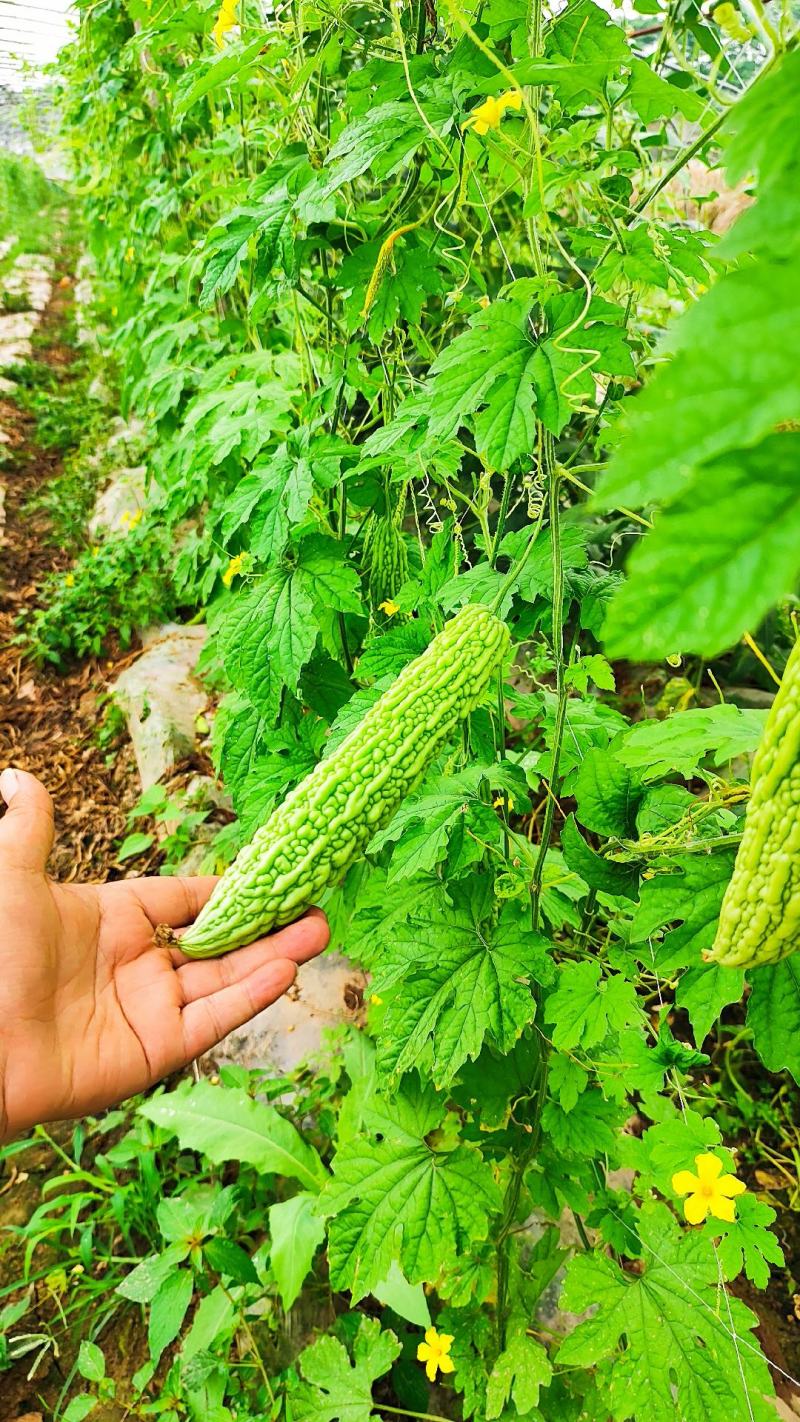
[(225, 22), (502, 800), (70, 580), (484, 301), (389, 607), (233, 569), (377, 1001), (709, 1192), (490, 112), (113, 311), (434, 1353), (129, 254)]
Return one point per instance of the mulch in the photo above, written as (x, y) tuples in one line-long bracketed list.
[(49, 719)]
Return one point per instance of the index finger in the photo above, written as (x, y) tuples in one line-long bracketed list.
[(176, 901)]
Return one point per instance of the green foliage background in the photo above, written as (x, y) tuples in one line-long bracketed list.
[(336, 301)]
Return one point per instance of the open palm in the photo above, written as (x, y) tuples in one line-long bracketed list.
[(90, 1010)]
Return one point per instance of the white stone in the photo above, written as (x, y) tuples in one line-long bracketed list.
[(161, 700), (328, 991), (119, 502)]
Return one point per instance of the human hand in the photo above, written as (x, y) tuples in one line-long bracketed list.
[(90, 1010)]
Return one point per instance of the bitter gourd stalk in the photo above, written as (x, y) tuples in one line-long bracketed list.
[(325, 824), (760, 918)]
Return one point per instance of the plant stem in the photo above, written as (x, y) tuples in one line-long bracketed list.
[(561, 691), (404, 1412)]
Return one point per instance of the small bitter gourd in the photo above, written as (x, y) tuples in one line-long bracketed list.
[(388, 562), (325, 824), (760, 917)]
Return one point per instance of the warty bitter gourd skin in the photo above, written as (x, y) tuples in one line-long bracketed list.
[(309, 842), (760, 918)]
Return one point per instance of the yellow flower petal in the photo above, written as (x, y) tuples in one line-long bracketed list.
[(685, 1182), (695, 1208), (424, 1352), (722, 1209), (729, 1185), (446, 1365), (709, 1168), (431, 1337), (430, 1369), (389, 607)]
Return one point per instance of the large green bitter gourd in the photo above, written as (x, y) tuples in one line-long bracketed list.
[(310, 841), (760, 918)]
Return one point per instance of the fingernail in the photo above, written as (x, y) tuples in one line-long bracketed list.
[(9, 785)]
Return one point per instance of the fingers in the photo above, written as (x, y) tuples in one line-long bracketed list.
[(26, 829), (171, 900), (297, 943), (209, 1019)]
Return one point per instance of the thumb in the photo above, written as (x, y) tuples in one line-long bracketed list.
[(26, 829)]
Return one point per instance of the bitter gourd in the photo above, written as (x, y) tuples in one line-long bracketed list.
[(388, 562), (760, 917), (310, 841)]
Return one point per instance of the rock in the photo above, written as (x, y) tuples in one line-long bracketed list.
[(119, 502), (161, 700), (328, 991), (31, 277)]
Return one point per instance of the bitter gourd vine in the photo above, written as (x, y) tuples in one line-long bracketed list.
[(760, 918), (311, 840)]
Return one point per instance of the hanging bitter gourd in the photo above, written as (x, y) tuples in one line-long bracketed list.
[(322, 827), (760, 917), (388, 562)]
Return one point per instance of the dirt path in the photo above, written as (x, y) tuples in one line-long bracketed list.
[(49, 720)]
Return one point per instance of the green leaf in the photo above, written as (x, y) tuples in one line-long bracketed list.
[(91, 1363), (773, 1015), (386, 655), (381, 139), (733, 377), (144, 1282), (168, 1310), (214, 1319), (747, 1242), (587, 1006), (408, 1301), (594, 869), (704, 991), (228, 244), (229, 1259), (589, 1128), (690, 890), (451, 983), (607, 793), (487, 373), (269, 630), (79, 1407), (333, 1388), (296, 1231), (224, 1123), (399, 1198), (134, 844), (667, 1340), (683, 741), (326, 575), (519, 1373), (234, 64), (718, 558), (584, 50)]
